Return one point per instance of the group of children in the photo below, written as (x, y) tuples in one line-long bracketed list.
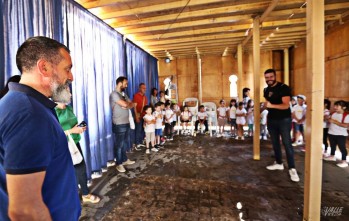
[(239, 114)]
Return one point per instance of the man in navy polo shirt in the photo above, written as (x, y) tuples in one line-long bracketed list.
[(37, 180)]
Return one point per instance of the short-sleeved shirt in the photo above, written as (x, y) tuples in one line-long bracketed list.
[(274, 96), (120, 115), (159, 119), (141, 101), (202, 115), (250, 116), (222, 111), (149, 127), (232, 112), (264, 116), (186, 115), (68, 120), (32, 140), (168, 116), (241, 119), (299, 112), (334, 129)]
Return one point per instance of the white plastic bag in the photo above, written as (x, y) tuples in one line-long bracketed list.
[(74, 151)]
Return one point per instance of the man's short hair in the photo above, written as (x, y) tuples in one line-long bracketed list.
[(120, 79), (270, 71), (36, 48), (141, 84)]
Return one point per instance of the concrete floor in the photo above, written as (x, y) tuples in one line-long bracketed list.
[(204, 178)]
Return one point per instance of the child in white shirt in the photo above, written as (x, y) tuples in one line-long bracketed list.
[(202, 119), (298, 115), (338, 132), (240, 120), (232, 116), (176, 112), (327, 115), (222, 117), (250, 117), (149, 129), (264, 115), (159, 118), (168, 120), (185, 118)]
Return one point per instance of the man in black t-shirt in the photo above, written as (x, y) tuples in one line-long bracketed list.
[(278, 97)]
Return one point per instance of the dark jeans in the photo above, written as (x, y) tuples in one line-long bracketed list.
[(121, 133), (139, 132), (281, 128), (168, 129), (340, 141), (197, 123), (80, 174), (324, 138)]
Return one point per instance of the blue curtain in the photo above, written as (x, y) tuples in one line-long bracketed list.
[(99, 56), (141, 68), (22, 19)]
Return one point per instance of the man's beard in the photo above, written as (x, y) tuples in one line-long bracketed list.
[(60, 92), (273, 82)]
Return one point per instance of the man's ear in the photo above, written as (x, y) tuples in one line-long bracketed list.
[(44, 67)]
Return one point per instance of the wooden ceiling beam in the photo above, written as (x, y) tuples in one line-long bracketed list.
[(191, 39), (191, 14), (171, 46), (167, 27), (101, 3), (156, 8)]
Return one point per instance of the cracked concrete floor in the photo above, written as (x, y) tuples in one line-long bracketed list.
[(204, 178)]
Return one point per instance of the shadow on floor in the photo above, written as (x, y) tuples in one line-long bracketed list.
[(204, 178)]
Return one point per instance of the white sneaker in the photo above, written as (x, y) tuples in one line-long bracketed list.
[(140, 145), (265, 138), (147, 151), (154, 150), (138, 148), (330, 158), (104, 170), (242, 138), (219, 135), (342, 164), (275, 166), (110, 163), (294, 175), (120, 168), (95, 175), (237, 137), (89, 183), (295, 144), (128, 162)]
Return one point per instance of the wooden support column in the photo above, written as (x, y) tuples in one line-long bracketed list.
[(315, 76), (286, 67), (239, 53), (199, 76), (256, 74)]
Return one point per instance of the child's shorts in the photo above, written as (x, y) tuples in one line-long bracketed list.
[(158, 132), (150, 137), (299, 127), (233, 122), (221, 121)]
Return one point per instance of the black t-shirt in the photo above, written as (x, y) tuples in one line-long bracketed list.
[(274, 96)]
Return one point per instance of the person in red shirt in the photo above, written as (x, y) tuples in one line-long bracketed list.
[(140, 100)]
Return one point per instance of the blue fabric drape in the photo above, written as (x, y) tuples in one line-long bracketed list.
[(141, 68), (99, 56)]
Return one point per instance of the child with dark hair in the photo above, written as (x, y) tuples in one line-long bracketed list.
[(168, 120), (202, 119), (250, 117), (222, 117), (232, 116), (159, 118), (338, 133), (240, 120), (327, 115), (149, 129)]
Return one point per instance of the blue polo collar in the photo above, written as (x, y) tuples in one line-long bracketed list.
[(33, 93)]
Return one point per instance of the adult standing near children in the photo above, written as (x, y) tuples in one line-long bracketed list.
[(140, 100), (120, 104), (278, 97), (154, 97), (37, 180)]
